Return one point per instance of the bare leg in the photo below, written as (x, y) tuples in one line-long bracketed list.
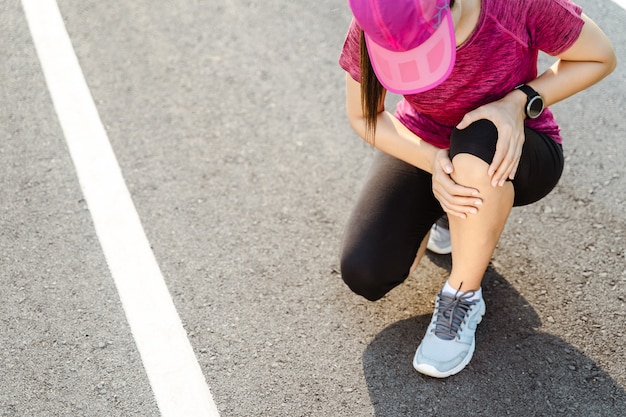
[(475, 238)]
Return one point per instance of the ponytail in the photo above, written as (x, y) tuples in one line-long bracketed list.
[(371, 93)]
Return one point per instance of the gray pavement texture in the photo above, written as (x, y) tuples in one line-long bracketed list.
[(228, 121)]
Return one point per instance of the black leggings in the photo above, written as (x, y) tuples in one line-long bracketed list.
[(397, 207)]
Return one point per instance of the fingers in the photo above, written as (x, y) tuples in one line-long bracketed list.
[(459, 206), (501, 166), (514, 171), (506, 159), (455, 199), (471, 117), (445, 163)]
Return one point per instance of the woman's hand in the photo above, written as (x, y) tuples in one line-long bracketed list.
[(508, 116), (455, 199)]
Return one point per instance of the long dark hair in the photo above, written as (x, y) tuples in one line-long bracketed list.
[(372, 91)]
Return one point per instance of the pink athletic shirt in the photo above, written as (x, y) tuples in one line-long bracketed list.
[(500, 54)]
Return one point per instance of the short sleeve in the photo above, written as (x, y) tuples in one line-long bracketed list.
[(553, 25), (350, 58)]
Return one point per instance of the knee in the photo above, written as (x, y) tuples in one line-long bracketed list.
[(472, 149), (362, 278), (471, 152), (470, 170)]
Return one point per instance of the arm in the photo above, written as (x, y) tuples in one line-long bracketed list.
[(393, 138), (587, 61)]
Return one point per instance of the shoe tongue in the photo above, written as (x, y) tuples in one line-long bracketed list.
[(450, 317)]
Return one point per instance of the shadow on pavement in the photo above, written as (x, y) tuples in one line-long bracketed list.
[(516, 370)]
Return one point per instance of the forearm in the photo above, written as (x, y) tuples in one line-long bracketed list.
[(393, 138), (560, 81), (566, 78)]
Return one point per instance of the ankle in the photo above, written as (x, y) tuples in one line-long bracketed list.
[(449, 289), (463, 284)]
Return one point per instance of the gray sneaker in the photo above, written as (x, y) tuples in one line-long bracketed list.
[(449, 342), (439, 239)]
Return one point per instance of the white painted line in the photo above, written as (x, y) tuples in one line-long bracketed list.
[(621, 3), (173, 370)]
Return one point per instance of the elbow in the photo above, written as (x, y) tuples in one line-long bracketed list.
[(612, 62), (359, 126), (609, 58), (356, 123), (356, 120)]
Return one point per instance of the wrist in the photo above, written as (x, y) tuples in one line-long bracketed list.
[(534, 102), (517, 99)]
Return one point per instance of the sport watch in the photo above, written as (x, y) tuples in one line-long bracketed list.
[(534, 101)]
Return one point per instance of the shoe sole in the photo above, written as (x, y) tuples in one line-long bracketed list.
[(440, 251), (435, 373), (430, 370)]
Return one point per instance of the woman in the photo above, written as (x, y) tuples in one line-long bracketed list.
[(472, 138)]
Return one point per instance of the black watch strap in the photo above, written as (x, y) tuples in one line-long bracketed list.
[(528, 90), (534, 101)]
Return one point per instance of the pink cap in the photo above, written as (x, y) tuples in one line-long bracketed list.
[(411, 43)]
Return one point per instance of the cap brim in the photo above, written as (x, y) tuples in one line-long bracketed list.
[(419, 69)]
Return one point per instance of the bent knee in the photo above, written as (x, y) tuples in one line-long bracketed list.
[(469, 169), (478, 139), (364, 279), (472, 150)]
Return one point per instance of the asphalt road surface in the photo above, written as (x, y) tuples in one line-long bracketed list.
[(228, 122)]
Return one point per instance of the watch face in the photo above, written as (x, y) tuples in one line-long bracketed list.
[(535, 107)]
